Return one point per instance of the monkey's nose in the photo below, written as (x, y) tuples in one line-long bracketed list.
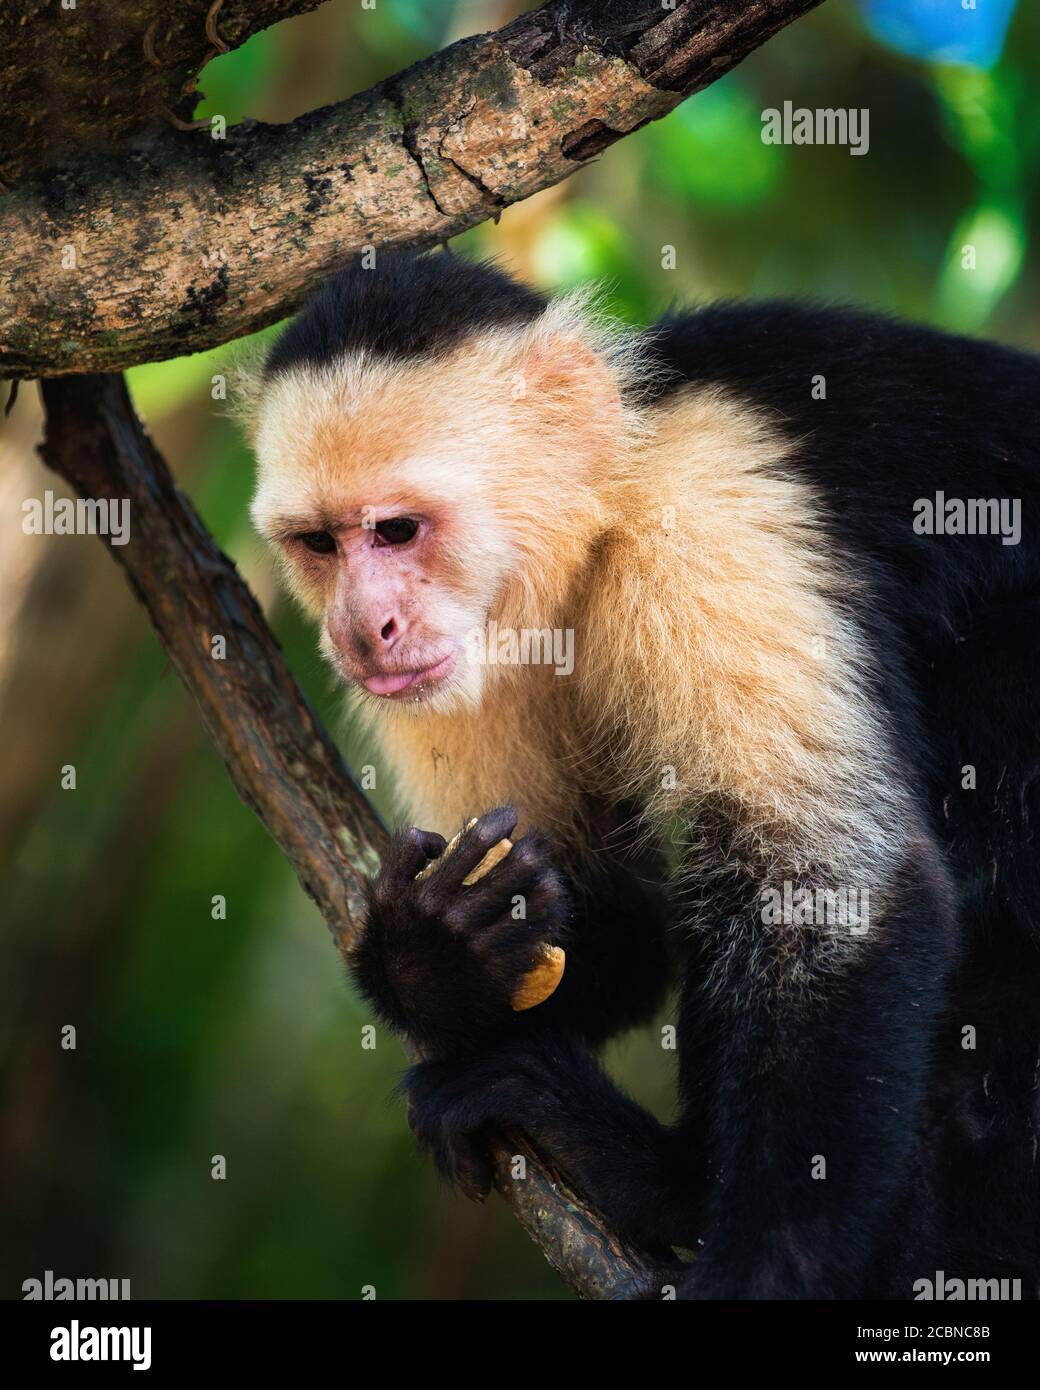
[(368, 636), (389, 634)]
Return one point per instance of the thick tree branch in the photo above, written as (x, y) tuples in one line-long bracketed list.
[(179, 242), (87, 77), (280, 759)]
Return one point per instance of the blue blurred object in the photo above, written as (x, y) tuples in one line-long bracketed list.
[(942, 30)]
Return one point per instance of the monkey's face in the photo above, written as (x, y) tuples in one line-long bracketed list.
[(400, 609), (412, 503), (375, 488)]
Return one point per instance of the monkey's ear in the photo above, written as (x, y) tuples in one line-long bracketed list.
[(552, 360), (247, 386), (572, 354), (563, 365)]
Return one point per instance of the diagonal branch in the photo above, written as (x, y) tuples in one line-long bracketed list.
[(281, 761), (179, 242)]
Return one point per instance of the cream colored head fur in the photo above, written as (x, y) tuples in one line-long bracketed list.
[(506, 443), (713, 663)]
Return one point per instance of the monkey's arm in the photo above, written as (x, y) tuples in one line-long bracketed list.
[(647, 1179), (617, 963), (819, 1051), (803, 1074)]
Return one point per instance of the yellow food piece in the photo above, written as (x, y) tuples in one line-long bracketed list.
[(540, 982), (449, 848), (494, 856)]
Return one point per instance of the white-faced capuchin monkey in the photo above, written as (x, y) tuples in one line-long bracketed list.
[(736, 624)]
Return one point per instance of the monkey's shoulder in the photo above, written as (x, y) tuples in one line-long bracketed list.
[(766, 348), (868, 403)]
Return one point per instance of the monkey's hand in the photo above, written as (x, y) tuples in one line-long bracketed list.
[(440, 960), (456, 1103), (542, 1082)]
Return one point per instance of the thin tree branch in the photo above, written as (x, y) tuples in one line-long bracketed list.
[(180, 242), (281, 761)]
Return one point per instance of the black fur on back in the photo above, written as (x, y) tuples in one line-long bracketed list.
[(404, 306)]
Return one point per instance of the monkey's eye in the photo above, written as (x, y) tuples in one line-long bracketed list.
[(319, 542), (397, 530)]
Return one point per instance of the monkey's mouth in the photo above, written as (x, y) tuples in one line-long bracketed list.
[(397, 682)]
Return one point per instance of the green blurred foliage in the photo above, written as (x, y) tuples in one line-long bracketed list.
[(239, 1037)]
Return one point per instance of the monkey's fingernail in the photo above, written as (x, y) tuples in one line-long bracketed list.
[(539, 983)]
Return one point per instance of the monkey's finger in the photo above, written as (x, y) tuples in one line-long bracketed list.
[(449, 848), (470, 1166), (494, 856), (512, 949), (488, 896), (527, 865), (433, 844), (491, 827), (536, 906), (409, 851)]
